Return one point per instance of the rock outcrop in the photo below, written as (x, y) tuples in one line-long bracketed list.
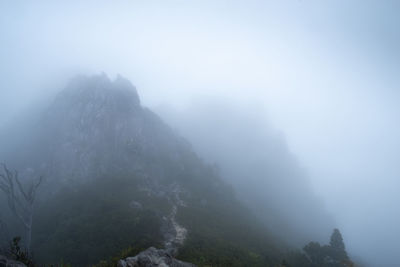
[(4, 262), (153, 257), (94, 127)]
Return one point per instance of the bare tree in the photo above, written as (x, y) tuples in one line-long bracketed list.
[(20, 200)]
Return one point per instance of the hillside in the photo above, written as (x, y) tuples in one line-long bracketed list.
[(117, 177), (118, 180), (255, 158)]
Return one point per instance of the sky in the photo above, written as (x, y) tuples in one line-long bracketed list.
[(325, 73)]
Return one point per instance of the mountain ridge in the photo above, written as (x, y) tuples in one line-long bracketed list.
[(119, 180)]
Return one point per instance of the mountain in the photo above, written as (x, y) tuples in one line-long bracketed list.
[(95, 126), (255, 158), (118, 180)]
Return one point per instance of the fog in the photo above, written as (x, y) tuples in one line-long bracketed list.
[(321, 76)]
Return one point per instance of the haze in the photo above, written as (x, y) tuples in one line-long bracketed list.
[(324, 74)]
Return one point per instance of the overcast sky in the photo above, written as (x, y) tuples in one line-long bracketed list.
[(326, 73)]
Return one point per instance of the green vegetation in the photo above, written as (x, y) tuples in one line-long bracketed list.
[(332, 255), (95, 221), (95, 224), (223, 233)]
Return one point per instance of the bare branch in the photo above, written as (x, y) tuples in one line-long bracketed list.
[(39, 182), (20, 187), (8, 173), (21, 205), (4, 187), (4, 178), (21, 201)]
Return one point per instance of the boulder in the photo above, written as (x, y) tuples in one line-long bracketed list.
[(4, 262), (153, 257)]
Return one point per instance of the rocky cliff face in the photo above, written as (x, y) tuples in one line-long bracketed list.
[(98, 126)]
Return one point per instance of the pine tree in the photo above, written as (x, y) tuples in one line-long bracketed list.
[(337, 247)]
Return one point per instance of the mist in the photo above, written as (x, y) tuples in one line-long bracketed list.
[(316, 79)]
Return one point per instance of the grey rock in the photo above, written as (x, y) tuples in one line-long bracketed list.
[(94, 128), (4, 262), (153, 257)]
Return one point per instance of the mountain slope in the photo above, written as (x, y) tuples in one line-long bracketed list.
[(119, 179), (256, 160)]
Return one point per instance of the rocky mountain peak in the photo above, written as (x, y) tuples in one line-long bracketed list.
[(96, 125), (99, 91)]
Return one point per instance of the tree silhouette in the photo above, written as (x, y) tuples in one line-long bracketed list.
[(332, 255), (20, 200), (337, 248), (315, 253)]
